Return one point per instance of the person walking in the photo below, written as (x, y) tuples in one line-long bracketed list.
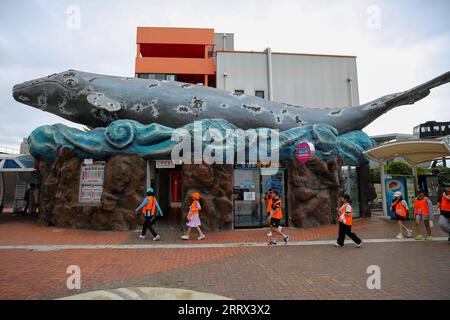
[(275, 217), (400, 208), (268, 203), (444, 207), (29, 199), (194, 218), (423, 210), (148, 207), (345, 223)]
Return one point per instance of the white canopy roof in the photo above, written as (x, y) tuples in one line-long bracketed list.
[(16, 163), (413, 151)]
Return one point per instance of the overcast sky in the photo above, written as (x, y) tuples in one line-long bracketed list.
[(407, 45)]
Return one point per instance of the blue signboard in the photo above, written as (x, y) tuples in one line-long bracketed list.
[(392, 186)]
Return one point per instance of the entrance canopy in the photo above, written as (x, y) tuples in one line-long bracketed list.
[(413, 151)]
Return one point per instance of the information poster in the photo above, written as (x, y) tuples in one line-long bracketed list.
[(91, 182)]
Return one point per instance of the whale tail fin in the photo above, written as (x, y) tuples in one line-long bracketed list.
[(370, 111), (417, 93)]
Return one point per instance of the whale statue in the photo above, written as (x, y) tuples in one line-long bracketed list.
[(97, 100)]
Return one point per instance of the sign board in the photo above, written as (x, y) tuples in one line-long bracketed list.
[(19, 197), (249, 196), (165, 164), (88, 161), (261, 165), (91, 182), (304, 151)]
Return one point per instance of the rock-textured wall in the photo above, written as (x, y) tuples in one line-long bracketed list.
[(215, 185), (313, 191), (123, 189)]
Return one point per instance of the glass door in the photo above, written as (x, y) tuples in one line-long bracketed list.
[(276, 182), (247, 198)]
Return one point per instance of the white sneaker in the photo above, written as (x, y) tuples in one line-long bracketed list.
[(338, 245), (141, 236), (201, 237), (269, 234), (399, 236), (185, 237), (156, 238), (272, 243), (359, 245)]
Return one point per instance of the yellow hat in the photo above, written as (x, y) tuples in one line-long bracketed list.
[(196, 195)]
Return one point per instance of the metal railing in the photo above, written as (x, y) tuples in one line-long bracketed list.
[(9, 150)]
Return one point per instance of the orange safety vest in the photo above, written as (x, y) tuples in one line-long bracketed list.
[(269, 204), (344, 217), (194, 207), (150, 206), (278, 213), (421, 206), (400, 209), (445, 204)]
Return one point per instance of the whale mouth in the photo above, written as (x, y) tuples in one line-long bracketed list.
[(33, 83)]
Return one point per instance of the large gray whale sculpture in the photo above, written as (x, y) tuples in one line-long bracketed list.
[(97, 100)]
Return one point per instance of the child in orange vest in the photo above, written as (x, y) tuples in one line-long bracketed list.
[(275, 217), (148, 207), (400, 208), (444, 207), (345, 223), (193, 217), (423, 210), (268, 202)]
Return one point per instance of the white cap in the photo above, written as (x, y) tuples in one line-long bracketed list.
[(398, 194)]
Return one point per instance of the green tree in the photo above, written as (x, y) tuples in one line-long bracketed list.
[(423, 171), (399, 167)]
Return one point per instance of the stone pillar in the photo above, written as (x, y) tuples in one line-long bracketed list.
[(123, 189), (215, 185), (367, 191), (313, 191)]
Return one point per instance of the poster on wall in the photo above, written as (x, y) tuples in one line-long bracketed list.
[(392, 186), (91, 181)]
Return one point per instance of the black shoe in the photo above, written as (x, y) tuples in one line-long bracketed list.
[(272, 243), (286, 239)]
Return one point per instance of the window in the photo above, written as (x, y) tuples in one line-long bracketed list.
[(157, 76), (436, 128), (259, 93), (442, 128), (238, 92), (422, 129)]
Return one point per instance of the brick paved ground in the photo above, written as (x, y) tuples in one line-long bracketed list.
[(414, 270), (409, 269)]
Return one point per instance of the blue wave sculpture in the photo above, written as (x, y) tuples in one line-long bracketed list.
[(155, 140)]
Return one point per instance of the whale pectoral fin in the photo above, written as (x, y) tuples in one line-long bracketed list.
[(99, 100)]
